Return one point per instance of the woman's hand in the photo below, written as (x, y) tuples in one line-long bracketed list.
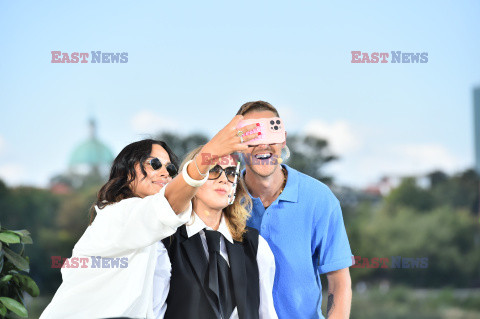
[(225, 142), (228, 141)]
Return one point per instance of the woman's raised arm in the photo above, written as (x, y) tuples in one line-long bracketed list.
[(227, 141)]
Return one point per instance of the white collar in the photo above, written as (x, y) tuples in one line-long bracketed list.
[(196, 225)]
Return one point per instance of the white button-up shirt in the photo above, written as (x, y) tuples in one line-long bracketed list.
[(128, 229), (265, 261)]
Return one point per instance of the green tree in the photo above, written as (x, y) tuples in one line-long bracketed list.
[(444, 235), (459, 191), (35, 209), (409, 194), (309, 155), (181, 145), (437, 178)]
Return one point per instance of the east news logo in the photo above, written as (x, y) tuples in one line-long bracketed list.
[(397, 262), (89, 262), (82, 57), (382, 57)]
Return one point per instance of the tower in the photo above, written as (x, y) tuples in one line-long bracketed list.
[(476, 118)]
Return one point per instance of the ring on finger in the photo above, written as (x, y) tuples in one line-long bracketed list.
[(239, 133), (241, 139)]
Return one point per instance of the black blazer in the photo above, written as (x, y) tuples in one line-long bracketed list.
[(189, 296)]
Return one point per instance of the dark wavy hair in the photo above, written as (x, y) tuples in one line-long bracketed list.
[(122, 173)]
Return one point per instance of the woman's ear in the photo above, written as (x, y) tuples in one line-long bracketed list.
[(133, 186), (132, 181)]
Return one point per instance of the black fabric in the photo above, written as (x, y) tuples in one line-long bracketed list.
[(220, 280), (190, 297)]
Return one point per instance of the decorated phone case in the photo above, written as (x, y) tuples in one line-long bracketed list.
[(272, 130)]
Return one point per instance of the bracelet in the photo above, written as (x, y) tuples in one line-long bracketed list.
[(190, 181), (196, 165)]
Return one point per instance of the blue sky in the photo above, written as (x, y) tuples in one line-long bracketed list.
[(192, 64)]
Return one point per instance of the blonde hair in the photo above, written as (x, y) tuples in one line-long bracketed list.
[(236, 214)]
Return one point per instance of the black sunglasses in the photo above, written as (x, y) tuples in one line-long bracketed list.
[(217, 170), (155, 163)]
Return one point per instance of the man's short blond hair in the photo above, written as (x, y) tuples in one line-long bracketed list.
[(257, 106)]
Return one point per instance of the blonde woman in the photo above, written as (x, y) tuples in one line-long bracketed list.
[(215, 266)]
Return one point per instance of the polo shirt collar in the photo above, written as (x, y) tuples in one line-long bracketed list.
[(196, 225), (290, 192)]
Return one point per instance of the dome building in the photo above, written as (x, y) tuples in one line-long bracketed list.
[(89, 164), (91, 156)]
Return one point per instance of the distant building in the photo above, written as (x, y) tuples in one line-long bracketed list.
[(476, 117), (91, 155), (383, 186), (89, 164)]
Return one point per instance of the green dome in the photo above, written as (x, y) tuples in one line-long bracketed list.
[(91, 152)]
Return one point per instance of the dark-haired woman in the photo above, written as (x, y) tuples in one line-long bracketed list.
[(110, 273)]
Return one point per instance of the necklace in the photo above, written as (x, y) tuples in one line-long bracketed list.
[(285, 174)]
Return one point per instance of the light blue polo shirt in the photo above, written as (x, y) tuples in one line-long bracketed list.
[(305, 230)]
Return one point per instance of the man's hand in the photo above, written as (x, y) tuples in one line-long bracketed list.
[(339, 294)]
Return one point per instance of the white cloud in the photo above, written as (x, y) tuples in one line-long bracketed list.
[(341, 136), (368, 166), (12, 173), (148, 122), (421, 157)]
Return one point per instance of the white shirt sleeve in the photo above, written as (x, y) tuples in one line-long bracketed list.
[(266, 270), (132, 223), (161, 281)]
